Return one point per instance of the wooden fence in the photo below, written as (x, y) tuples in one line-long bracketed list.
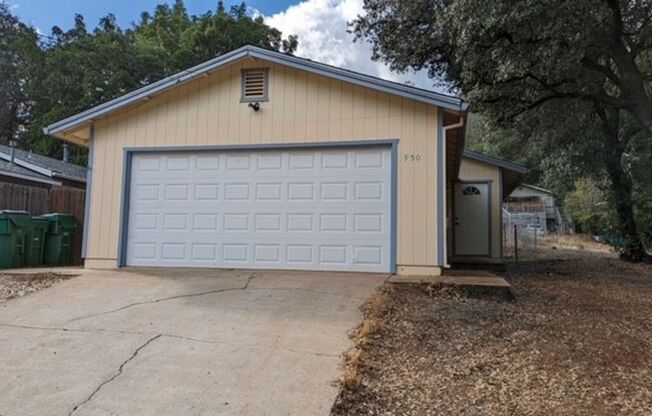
[(37, 201)]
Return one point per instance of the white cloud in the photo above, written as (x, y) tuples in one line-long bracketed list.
[(321, 26)]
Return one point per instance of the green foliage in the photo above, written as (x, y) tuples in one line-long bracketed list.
[(17, 48), (590, 208), (47, 79), (508, 57), (563, 86)]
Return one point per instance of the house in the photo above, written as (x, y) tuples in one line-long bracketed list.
[(534, 205), (257, 159), (481, 188), (20, 165)]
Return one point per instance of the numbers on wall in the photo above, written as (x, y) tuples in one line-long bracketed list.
[(412, 157)]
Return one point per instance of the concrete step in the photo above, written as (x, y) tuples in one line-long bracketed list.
[(476, 282)]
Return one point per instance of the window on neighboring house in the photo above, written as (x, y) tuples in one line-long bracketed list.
[(254, 85)]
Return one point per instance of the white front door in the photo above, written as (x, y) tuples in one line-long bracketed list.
[(472, 222), (312, 209)]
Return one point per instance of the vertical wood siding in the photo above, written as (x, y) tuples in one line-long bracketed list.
[(302, 107), (473, 170)]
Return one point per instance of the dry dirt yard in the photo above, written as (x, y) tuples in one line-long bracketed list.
[(14, 285), (576, 341)]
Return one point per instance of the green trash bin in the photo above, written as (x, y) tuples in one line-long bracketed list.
[(35, 241), (58, 240), (14, 230)]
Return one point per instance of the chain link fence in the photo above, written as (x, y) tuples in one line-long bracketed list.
[(522, 233)]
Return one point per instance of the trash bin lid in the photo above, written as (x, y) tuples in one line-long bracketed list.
[(61, 219), (13, 212)]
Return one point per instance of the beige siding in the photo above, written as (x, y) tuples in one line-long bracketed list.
[(473, 170), (302, 108)]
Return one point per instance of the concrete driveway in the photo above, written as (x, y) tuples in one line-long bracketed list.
[(179, 342)]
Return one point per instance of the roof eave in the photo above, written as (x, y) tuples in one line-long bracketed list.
[(146, 92), (29, 178), (496, 162), (68, 178)]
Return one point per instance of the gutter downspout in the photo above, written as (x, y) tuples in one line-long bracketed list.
[(459, 124), (89, 188)]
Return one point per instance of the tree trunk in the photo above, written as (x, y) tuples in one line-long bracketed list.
[(622, 188)]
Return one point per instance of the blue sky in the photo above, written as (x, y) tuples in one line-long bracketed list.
[(321, 26), (45, 14)]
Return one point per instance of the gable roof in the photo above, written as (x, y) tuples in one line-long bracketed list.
[(511, 173), (43, 166), (145, 93), (536, 188), (495, 161)]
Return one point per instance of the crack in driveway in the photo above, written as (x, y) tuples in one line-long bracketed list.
[(211, 292), (116, 375), (230, 344), (173, 336), (147, 302)]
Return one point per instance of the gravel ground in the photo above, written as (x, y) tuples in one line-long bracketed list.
[(577, 341), (13, 285)]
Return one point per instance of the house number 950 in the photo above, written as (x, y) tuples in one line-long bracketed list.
[(412, 157)]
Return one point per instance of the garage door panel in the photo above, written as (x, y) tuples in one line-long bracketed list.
[(301, 209)]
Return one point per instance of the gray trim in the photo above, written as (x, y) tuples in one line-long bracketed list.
[(27, 165), (130, 152), (28, 178), (69, 178), (87, 196), (489, 184), (495, 161), (265, 96), (269, 146), (124, 208), (145, 93), (393, 251), (441, 190), (20, 161), (500, 210)]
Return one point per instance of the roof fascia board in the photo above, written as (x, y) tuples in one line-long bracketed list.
[(536, 188), (440, 100), (144, 93), (66, 177), (27, 165), (497, 162), (29, 178)]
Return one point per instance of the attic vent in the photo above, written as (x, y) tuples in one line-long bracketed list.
[(254, 85)]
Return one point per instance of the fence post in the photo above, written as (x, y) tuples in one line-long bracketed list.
[(536, 236), (516, 242)]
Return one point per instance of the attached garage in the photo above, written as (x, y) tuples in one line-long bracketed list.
[(310, 208), (257, 159)]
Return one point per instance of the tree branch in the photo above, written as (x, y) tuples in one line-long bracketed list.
[(594, 66)]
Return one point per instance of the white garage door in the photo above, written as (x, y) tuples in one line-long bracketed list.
[(290, 209)]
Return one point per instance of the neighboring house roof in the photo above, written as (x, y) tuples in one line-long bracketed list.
[(145, 93), (512, 173), (495, 161), (43, 166), (14, 171), (536, 188)]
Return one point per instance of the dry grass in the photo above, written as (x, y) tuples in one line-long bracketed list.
[(13, 285), (577, 341), (580, 242), (375, 310)]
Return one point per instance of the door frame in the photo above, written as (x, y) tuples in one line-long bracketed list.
[(129, 153), (489, 183)]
